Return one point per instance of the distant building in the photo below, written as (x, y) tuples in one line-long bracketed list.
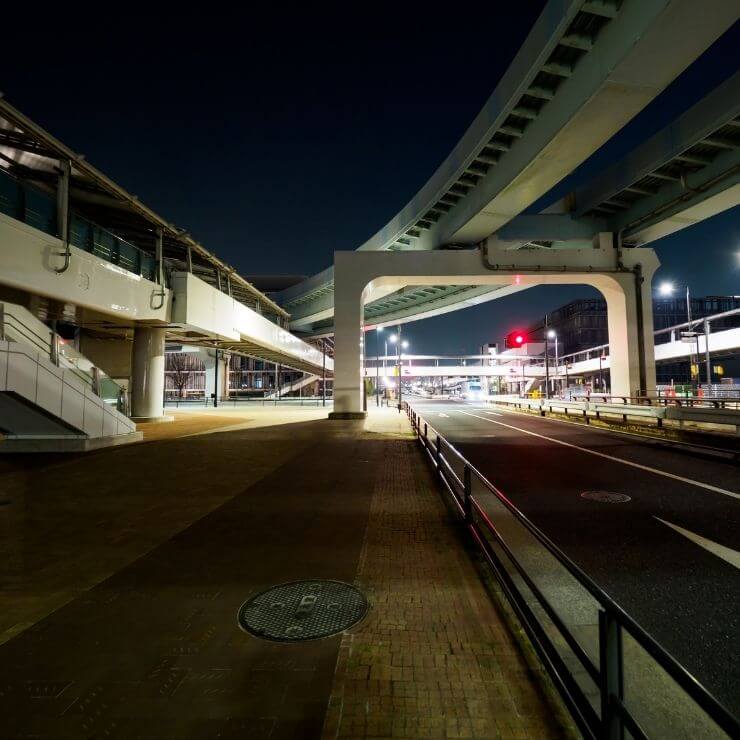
[(582, 324)]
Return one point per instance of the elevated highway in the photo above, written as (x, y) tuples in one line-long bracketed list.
[(585, 70)]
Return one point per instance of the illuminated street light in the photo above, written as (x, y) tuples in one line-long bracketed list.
[(666, 288), (552, 334), (393, 338), (378, 331), (400, 346)]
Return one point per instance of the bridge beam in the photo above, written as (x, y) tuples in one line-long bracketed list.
[(624, 279), (696, 124), (556, 227)]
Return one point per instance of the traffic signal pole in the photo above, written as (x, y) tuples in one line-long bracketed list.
[(547, 362)]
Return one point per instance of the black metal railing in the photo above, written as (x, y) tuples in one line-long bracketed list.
[(615, 679), (730, 400)]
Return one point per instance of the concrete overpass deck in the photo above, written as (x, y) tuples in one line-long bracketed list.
[(578, 78)]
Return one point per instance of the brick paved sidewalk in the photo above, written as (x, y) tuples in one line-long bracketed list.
[(122, 573), (434, 659)]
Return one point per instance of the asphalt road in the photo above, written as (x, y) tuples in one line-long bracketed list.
[(685, 595)]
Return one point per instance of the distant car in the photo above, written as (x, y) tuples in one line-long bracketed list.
[(472, 390)]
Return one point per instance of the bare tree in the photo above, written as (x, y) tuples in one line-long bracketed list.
[(180, 371)]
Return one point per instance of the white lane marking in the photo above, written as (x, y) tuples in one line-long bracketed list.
[(444, 416), (610, 457), (726, 553), (493, 413)]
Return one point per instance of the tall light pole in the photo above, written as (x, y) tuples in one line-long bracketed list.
[(547, 361), (401, 346), (323, 372), (385, 368), (552, 335), (377, 365), (393, 339), (666, 288), (601, 372)]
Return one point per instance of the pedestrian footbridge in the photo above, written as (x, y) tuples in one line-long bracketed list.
[(95, 267)]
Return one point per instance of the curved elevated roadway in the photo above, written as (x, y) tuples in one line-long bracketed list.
[(584, 71)]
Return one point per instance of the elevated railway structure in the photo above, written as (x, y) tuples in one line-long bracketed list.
[(78, 250)]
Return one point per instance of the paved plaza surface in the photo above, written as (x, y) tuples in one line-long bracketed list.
[(123, 571)]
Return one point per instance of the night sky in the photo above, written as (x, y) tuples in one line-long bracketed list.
[(278, 137)]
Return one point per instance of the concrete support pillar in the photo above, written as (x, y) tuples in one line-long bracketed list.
[(623, 277), (348, 343), (630, 318), (209, 359), (147, 374)]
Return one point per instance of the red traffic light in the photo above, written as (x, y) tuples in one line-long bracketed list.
[(516, 339)]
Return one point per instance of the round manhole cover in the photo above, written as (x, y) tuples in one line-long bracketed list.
[(606, 497), (302, 610)]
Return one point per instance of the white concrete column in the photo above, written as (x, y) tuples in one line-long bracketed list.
[(348, 339), (628, 333), (623, 277), (147, 374)]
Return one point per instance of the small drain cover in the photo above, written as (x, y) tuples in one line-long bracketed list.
[(606, 497), (302, 610)]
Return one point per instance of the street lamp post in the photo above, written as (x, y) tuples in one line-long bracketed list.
[(398, 364), (385, 371), (377, 365), (394, 339), (364, 371), (401, 346), (707, 357), (666, 289), (524, 382), (551, 334), (215, 383)]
